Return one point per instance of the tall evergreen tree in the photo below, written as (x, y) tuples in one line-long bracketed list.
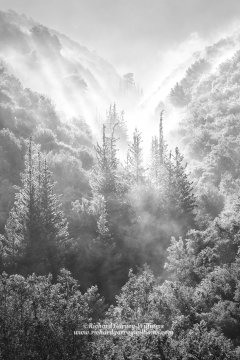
[(36, 228), (115, 122), (162, 145), (54, 230), (23, 225), (104, 174), (182, 201), (158, 157), (154, 167), (135, 167)]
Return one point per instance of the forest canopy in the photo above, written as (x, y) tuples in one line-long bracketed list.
[(102, 228)]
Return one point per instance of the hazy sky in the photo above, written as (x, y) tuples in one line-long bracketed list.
[(131, 33)]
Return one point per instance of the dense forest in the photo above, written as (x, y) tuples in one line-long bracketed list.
[(112, 230)]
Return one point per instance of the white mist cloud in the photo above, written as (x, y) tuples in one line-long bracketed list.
[(159, 59)]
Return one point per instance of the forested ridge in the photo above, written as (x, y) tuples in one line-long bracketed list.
[(92, 232)]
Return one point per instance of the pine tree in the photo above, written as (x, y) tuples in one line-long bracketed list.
[(115, 123), (54, 230), (104, 174), (108, 248), (135, 167), (154, 168), (162, 145), (36, 227), (112, 116), (182, 201), (158, 157), (23, 227), (174, 189)]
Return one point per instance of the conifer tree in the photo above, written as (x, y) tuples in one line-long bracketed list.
[(158, 168), (182, 201), (158, 157), (115, 122), (135, 159), (174, 188), (154, 168), (112, 116), (23, 225), (36, 228), (162, 145), (104, 174), (104, 184), (54, 230)]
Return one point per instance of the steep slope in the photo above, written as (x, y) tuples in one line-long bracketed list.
[(181, 72), (53, 90), (207, 103), (68, 146), (79, 81)]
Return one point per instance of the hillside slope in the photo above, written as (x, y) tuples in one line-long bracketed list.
[(78, 80), (206, 101)]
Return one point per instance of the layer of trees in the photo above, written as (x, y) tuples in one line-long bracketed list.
[(208, 133), (197, 308), (179, 238), (127, 219)]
